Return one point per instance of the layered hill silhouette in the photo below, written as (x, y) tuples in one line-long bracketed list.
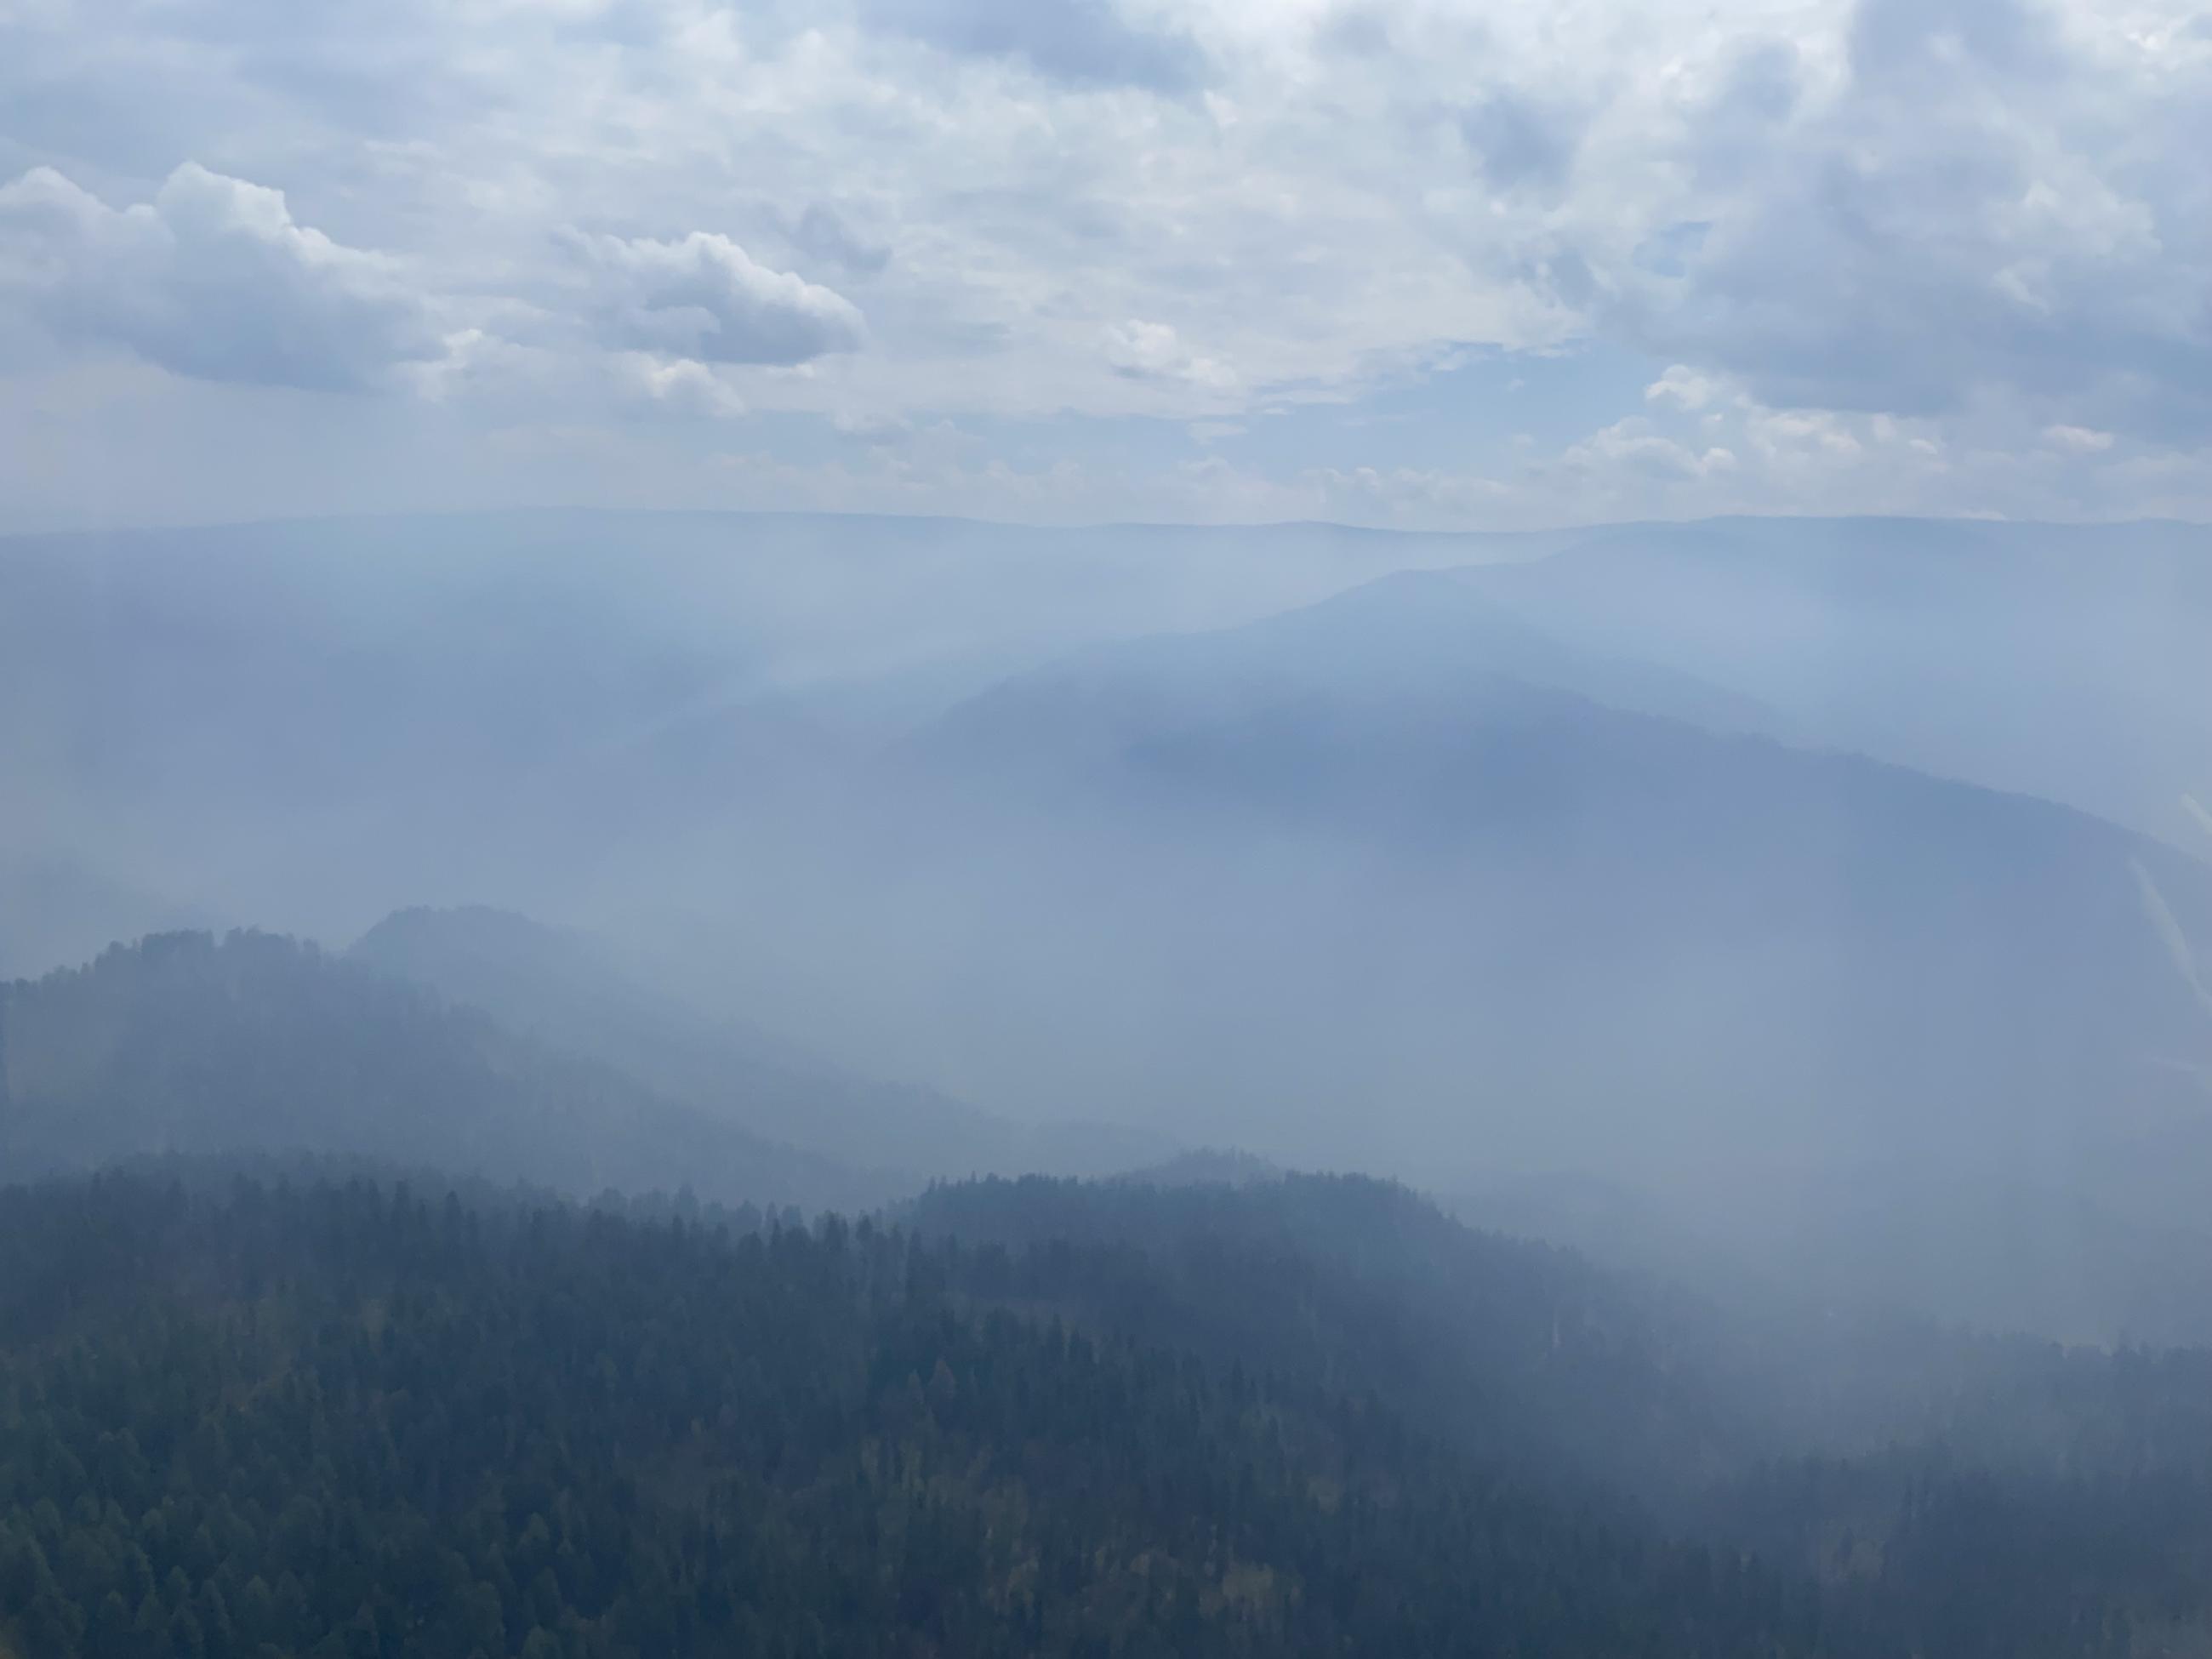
[(1600, 866), (1428, 884), (560, 988), (189, 1043), (2063, 661)]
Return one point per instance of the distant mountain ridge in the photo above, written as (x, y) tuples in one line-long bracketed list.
[(2063, 661), (253, 1042), (1397, 879), (560, 988), (1276, 838)]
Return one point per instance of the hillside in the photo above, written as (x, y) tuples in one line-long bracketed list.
[(849, 1458), (1469, 924), (1524, 1352), (1957, 1493), (1516, 1351), (312, 722), (1415, 640), (1109, 1419), (189, 1043), (559, 990), (1494, 880), (2061, 661)]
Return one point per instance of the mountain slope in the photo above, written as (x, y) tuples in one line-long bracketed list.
[(187, 1043), (1467, 924), (507, 1428), (1515, 1351), (2063, 661), (558, 988), (1534, 1357), (310, 722), (527, 1438), (1414, 636), (1959, 1494)]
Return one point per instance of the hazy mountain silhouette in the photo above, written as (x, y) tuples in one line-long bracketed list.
[(2064, 661), (255, 1043), (1471, 918), (559, 987), (1476, 879)]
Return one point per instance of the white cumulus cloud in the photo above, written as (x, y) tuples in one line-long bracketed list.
[(2079, 439), (1685, 387), (706, 300), (1921, 255), (211, 279), (1155, 351), (1962, 204)]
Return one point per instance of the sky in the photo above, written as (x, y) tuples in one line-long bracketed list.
[(1381, 261)]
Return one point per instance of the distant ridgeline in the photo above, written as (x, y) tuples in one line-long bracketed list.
[(473, 1043), (255, 1043)]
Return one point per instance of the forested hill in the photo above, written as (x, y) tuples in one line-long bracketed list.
[(189, 1043), (1189, 1414), (1512, 1350), (342, 1421), (1996, 1495), (1515, 1350), (348, 1419)]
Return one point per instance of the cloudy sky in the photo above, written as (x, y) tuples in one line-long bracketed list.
[(1385, 261)]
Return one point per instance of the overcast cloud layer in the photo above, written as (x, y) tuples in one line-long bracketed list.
[(1393, 262)]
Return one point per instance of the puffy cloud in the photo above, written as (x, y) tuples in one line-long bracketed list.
[(1155, 351), (1781, 433), (683, 386), (1757, 228), (2078, 439), (211, 279), (868, 429), (706, 299), (1685, 388), (1985, 201), (1631, 445), (504, 380)]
